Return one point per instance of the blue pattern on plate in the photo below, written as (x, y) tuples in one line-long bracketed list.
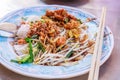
[(7, 53)]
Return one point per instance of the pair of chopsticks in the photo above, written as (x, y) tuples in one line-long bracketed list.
[(95, 65)]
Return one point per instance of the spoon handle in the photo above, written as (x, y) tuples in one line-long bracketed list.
[(6, 34)]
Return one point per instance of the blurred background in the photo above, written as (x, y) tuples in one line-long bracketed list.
[(111, 69)]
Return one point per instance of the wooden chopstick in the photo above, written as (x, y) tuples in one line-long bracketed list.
[(100, 47), (95, 65)]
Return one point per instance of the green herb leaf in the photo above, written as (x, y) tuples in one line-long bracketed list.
[(41, 47), (42, 20), (66, 20), (25, 58), (29, 58), (27, 39), (34, 36), (69, 54), (79, 21), (30, 50), (24, 18), (16, 61)]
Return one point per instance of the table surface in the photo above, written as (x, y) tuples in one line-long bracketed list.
[(111, 68)]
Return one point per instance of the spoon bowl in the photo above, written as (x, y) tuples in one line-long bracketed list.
[(7, 29)]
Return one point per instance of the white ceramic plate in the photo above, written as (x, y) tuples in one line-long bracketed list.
[(50, 72)]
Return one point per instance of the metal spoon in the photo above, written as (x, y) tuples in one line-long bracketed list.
[(7, 29)]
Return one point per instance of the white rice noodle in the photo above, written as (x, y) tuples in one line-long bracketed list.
[(71, 48), (63, 32), (81, 35), (43, 54), (21, 49), (82, 25), (63, 45), (68, 40), (81, 47), (37, 57), (23, 30), (50, 57), (49, 60), (33, 18), (63, 51), (18, 57), (85, 41), (42, 57), (60, 60), (44, 61), (78, 54), (53, 55)]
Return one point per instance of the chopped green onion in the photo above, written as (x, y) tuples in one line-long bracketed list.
[(27, 40), (66, 20), (24, 18), (31, 22), (30, 50), (34, 36), (69, 54), (16, 61), (30, 57), (60, 48), (42, 20), (23, 60), (79, 21), (41, 47)]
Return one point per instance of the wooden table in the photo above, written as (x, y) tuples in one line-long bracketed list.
[(111, 69)]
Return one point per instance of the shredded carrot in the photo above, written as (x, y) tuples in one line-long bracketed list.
[(61, 41), (21, 41)]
